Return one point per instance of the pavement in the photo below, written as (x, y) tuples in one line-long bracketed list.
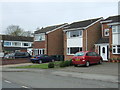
[(107, 72)]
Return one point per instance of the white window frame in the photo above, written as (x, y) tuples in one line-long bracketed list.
[(116, 49), (38, 36), (8, 42), (80, 34), (106, 30), (68, 50), (116, 28), (20, 44)]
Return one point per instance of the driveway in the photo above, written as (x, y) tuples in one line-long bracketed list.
[(105, 68)]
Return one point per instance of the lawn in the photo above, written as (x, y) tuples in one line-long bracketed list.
[(41, 66)]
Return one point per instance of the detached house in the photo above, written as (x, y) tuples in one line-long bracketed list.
[(49, 40), (109, 45), (81, 36)]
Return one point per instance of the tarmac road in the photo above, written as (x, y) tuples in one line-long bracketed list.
[(48, 80)]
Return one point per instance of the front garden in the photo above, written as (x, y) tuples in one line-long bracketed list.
[(56, 64)]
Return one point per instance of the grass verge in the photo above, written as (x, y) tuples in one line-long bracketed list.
[(42, 66)]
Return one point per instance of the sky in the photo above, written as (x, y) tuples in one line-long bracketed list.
[(31, 15)]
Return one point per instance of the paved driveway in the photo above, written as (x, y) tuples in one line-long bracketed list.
[(105, 68)]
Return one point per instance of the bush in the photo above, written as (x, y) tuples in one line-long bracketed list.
[(51, 65), (70, 62), (66, 63), (62, 64)]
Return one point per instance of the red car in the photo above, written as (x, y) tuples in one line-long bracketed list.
[(86, 58)]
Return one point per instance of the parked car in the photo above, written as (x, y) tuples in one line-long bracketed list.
[(86, 58), (42, 59), (18, 55)]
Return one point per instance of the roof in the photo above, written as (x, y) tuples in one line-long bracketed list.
[(113, 18), (103, 40), (81, 24), (17, 38), (49, 28)]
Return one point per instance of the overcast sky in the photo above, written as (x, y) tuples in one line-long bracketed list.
[(30, 15)]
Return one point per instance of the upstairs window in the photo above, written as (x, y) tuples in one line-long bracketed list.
[(7, 43), (76, 33), (25, 44), (16, 44), (39, 37), (106, 32), (116, 29)]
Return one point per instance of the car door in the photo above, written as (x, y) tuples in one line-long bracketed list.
[(90, 57), (95, 57), (46, 57)]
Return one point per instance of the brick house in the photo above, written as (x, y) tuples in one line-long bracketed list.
[(81, 36), (15, 43), (109, 45), (49, 40)]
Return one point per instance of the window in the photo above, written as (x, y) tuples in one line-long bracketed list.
[(89, 54), (116, 49), (80, 54), (116, 29), (103, 50), (40, 37), (16, 43), (76, 33), (25, 44), (41, 51), (73, 50), (106, 32), (7, 43)]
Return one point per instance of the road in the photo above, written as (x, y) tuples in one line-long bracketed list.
[(47, 80)]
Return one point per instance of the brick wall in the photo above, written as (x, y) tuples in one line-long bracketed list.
[(93, 35), (15, 61), (55, 42), (39, 44)]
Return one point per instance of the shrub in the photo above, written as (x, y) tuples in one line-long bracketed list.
[(62, 64), (70, 62), (67, 63), (51, 65)]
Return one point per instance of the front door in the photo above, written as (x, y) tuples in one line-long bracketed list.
[(104, 52)]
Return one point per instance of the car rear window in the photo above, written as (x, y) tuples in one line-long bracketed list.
[(80, 54)]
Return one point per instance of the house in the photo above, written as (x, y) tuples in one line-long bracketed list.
[(81, 36), (109, 45), (15, 43), (49, 40)]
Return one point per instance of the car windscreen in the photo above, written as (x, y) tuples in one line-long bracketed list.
[(80, 54)]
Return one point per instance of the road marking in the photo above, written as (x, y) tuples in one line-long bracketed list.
[(24, 87), (7, 81)]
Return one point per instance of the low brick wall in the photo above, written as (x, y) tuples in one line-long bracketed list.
[(15, 61)]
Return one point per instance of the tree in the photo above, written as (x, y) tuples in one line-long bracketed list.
[(14, 30)]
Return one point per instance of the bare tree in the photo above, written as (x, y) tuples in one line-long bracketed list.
[(14, 30)]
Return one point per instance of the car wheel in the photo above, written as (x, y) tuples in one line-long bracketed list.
[(100, 62), (75, 65), (40, 61), (87, 64)]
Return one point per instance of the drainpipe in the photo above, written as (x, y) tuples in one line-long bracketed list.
[(47, 44), (86, 41)]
